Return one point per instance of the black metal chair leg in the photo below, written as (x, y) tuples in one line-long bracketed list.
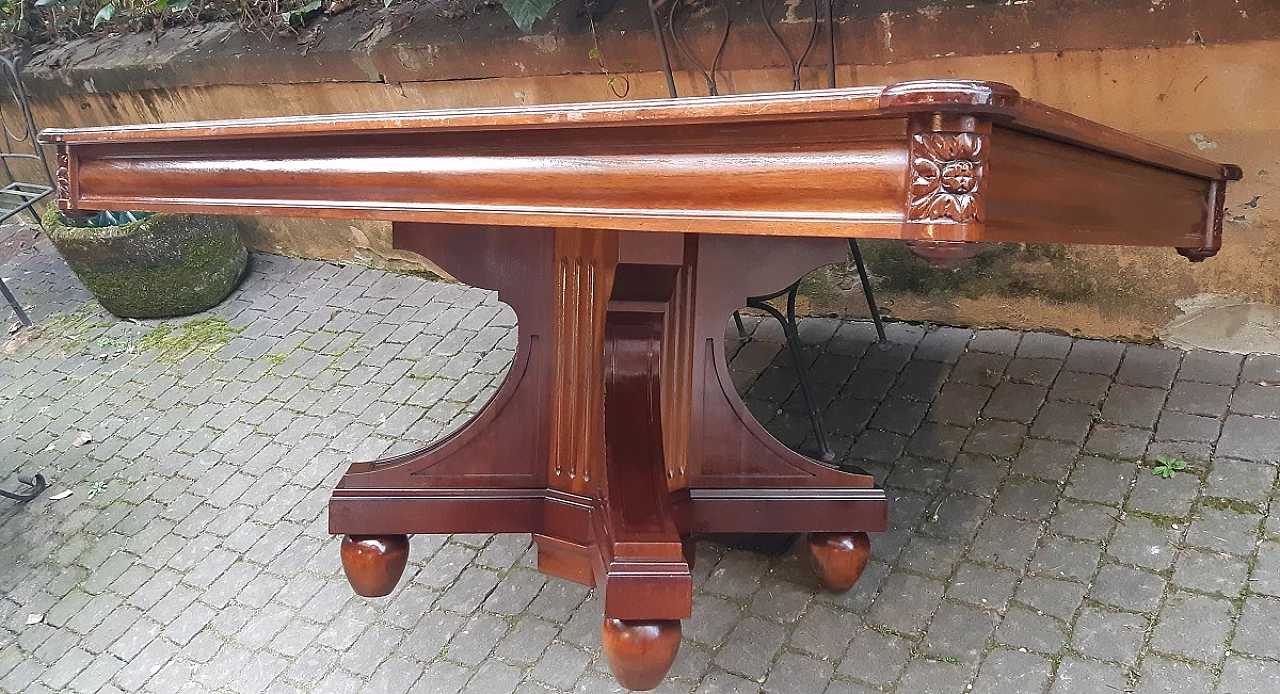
[(742, 329), (866, 289), (17, 307), (35, 482), (792, 334)]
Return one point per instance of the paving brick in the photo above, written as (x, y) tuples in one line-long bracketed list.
[(1258, 631), (1060, 557), (1006, 541), (1095, 356), (943, 344), (1011, 672), (1113, 441), (1167, 497), (958, 632), (935, 676), (1241, 480), (931, 556), (780, 601), (996, 438), (1149, 366), (1250, 438), (1213, 572), (1224, 530), (824, 631), (976, 474), (1081, 676), (712, 619), (1045, 460), (737, 574), (1077, 387), (1015, 401), (1083, 520), (980, 369), (906, 603), (1247, 676), (995, 341), (876, 657), (1047, 596), (1164, 676), (1135, 406), (798, 673), (1194, 627), (1026, 499), (1199, 398), (1036, 372), (1100, 480), (1211, 367), (1064, 421), (1141, 542), (1128, 588), (1259, 368), (750, 647), (959, 404)]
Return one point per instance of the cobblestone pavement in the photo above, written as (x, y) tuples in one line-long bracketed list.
[(1033, 550)]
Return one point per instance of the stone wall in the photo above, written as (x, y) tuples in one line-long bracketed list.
[(1198, 75)]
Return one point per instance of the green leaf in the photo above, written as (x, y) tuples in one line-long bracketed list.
[(161, 4), (296, 16), (594, 53), (105, 14), (526, 12)]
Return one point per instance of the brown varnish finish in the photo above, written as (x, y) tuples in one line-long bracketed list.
[(617, 435), (374, 564), (640, 653), (839, 558)]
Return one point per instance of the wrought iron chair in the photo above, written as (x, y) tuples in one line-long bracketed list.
[(787, 319), (19, 144), (17, 197)]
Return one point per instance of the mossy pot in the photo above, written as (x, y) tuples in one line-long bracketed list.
[(161, 266)]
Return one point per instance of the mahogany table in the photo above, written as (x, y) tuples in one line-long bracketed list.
[(624, 235)]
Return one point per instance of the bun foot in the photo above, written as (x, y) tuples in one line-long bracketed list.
[(640, 652), (839, 558), (374, 563)]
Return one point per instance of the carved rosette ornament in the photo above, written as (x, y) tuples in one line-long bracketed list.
[(946, 177)]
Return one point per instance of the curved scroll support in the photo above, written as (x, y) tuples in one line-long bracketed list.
[(733, 449), (504, 445)]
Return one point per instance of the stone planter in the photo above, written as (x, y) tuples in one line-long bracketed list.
[(163, 265)]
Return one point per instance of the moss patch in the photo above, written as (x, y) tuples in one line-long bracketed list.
[(74, 329), (174, 342), (1234, 505)]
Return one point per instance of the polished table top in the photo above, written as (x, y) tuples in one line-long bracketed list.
[(936, 160)]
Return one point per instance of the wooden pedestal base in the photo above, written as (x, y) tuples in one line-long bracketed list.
[(639, 653), (618, 434), (374, 564)]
